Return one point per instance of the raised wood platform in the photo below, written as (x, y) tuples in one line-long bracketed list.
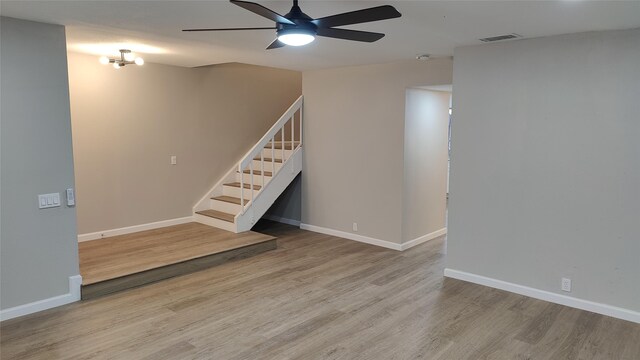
[(122, 262)]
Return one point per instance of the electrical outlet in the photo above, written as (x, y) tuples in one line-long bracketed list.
[(566, 284), (174, 160), (355, 226)]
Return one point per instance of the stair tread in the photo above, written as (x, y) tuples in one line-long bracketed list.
[(245, 185), (218, 215), (268, 160), (230, 199), (258, 172)]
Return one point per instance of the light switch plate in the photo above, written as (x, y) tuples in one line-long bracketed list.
[(46, 201)]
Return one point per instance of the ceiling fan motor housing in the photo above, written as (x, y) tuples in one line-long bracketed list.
[(303, 23)]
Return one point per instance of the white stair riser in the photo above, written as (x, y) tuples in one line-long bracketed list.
[(278, 153), (235, 192), (257, 179), (286, 142), (220, 224), (267, 166), (224, 206)]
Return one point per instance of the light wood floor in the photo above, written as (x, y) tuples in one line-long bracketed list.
[(123, 255), (319, 297)]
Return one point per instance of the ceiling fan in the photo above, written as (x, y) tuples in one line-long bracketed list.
[(297, 28)]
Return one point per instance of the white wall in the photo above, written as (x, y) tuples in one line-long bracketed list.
[(354, 144), (426, 134), (545, 167), (38, 247)]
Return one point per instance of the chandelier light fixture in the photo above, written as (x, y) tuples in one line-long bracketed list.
[(126, 58)]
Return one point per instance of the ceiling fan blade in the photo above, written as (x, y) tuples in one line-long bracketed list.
[(354, 35), (359, 16), (276, 44), (263, 11), (227, 29)]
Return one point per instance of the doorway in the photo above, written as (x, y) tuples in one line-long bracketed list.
[(426, 161)]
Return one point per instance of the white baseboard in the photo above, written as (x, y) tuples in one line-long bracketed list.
[(75, 283), (422, 239), (604, 309), (351, 236), (134, 228), (281, 220)]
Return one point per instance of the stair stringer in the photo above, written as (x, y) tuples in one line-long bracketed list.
[(263, 201)]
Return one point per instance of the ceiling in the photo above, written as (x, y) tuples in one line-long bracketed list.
[(152, 28)]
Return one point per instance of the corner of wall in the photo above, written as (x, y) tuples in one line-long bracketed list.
[(74, 294)]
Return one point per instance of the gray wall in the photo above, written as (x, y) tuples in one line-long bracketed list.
[(289, 203), (38, 247), (545, 167), (354, 144), (426, 133)]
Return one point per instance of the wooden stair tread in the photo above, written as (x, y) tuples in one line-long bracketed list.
[(218, 215), (245, 185), (258, 172), (230, 199), (268, 160)]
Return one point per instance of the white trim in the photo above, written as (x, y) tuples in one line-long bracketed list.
[(350, 236), (587, 305), (75, 283), (281, 220), (134, 228), (422, 239)]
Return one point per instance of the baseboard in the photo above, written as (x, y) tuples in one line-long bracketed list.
[(281, 220), (134, 228), (350, 236), (604, 309), (422, 239), (75, 283)]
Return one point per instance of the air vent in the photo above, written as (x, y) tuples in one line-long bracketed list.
[(500, 38)]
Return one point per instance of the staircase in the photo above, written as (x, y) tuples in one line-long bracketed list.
[(249, 189)]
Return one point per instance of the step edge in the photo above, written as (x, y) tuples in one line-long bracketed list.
[(213, 217)]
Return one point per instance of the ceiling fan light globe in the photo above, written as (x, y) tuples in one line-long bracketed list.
[(116, 65), (104, 60), (296, 39), (139, 61)]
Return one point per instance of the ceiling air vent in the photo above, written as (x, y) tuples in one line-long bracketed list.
[(500, 38)]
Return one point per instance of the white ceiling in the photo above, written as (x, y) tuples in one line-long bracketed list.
[(152, 28)]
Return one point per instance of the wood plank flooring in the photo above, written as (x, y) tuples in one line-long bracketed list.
[(124, 255), (319, 297)]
